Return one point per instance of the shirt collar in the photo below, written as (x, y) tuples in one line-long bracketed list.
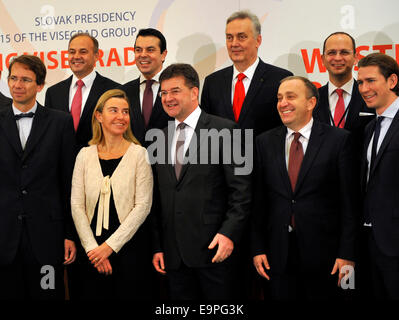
[(88, 80), (347, 87), (249, 73), (17, 111), (391, 111), (192, 119), (305, 131)]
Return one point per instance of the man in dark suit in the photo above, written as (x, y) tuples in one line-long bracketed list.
[(204, 203), (3, 99), (306, 176), (37, 147), (340, 103), (78, 100), (378, 84), (251, 102), (146, 110)]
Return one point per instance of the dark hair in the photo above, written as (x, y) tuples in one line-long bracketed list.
[(184, 70), (34, 64), (155, 33), (386, 64), (343, 33), (85, 34), (310, 87)]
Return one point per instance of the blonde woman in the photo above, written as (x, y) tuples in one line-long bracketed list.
[(111, 198)]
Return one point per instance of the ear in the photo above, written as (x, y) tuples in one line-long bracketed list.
[(194, 93), (258, 41), (40, 88), (311, 103), (393, 80), (164, 55), (98, 116)]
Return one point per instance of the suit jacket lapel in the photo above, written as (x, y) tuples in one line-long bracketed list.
[(324, 113), (95, 92), (39, 127), (226, 88), (364, 165), (7, 121), (279, 151), (353, 107), (312, 149), (64, 91)]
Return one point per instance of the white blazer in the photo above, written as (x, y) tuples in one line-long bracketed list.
[(131, 183)]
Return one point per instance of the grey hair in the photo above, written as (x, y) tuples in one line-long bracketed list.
[(246, 14)]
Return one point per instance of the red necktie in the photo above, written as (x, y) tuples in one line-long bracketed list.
[(76, 107), (339, 110), (294, 165), (239, 96), (147, 101)]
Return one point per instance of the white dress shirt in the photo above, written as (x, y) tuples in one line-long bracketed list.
[(333, 96), (155, 88), (88, 83), (24, 125), (304, 139), (191, 122), (249, 74)]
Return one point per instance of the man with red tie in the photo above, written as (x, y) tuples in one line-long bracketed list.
[(306, 201)]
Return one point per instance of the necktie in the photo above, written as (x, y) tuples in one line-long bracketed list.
[(24, 115), (377, 131), (180, 149), (76, 106), (147, 101), (239, 96), (294, 164), (339, 110)]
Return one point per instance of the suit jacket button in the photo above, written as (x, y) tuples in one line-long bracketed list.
[(293, 201), (24, 166), (24, 192)]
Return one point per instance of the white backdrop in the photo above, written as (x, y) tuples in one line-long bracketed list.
[(293, 31)]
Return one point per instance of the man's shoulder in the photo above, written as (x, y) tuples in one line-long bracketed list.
[(218, 123), (219, 73), (106, 81), (60, 85), (130, 84), (272, 69)]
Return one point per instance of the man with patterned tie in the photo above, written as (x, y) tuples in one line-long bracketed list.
[(306, 200), (146, 110), (79, 93), (379, 86), (37, 148), (340, 103)]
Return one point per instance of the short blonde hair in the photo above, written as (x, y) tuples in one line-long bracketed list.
[(97, 130)]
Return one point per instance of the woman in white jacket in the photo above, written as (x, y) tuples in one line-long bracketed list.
[(111, 198)]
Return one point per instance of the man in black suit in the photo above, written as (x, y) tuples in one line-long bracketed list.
[(256, 107), (82, 57), (3, 99), (306, 177), (146, 110), (204, 203), (378, 84), (349, 111), (37, 157)]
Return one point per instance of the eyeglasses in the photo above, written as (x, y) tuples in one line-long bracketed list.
[(174, 92), (24, 79)]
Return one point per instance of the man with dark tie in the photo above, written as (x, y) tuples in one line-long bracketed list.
[(246, 91), (204, 201), (78, 95), (306, 201), (378, 84), (37, 156), (340, 103), (146, 110)]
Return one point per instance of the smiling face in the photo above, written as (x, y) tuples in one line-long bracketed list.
[(294, 107), (81, 56), (375, 89), (114, 117), (178, 100), (23, 86), (339, 57), (149, 58), (242, 43)]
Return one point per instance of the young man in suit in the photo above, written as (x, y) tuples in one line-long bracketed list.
[(146, 110), (378, 84), (37, 147), (79, 93), (246, 91), (340, 103), (204, 204), (302, 231)]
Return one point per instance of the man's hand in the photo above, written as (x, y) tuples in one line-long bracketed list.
[(69, 251), (339, 263), (260, 263), (98, 255), (158, 262), (225, 247), (105, 267)]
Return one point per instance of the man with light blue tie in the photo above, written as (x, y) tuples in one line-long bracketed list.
[(378, 84)]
